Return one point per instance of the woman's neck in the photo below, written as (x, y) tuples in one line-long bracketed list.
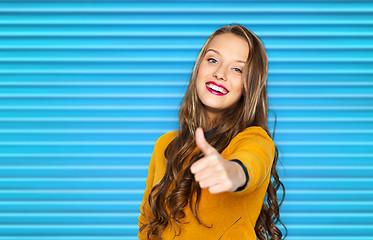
[(210, 123)]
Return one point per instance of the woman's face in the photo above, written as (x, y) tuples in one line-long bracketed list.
[(219, 79)]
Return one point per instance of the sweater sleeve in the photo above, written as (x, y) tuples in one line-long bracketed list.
[(256, 150), (149, 184), (246, 174)]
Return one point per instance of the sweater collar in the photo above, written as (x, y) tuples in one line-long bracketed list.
[(211, 131)]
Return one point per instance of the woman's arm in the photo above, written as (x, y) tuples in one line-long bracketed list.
[(254, 148), (213, 171)]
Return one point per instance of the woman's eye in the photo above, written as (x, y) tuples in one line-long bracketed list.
[(211, 60), (238, 70)]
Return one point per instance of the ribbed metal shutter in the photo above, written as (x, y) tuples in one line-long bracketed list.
[(86, 87)]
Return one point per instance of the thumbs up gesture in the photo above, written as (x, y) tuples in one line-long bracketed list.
[(213, 171)]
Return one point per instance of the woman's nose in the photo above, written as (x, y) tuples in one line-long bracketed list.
[(220, 74)]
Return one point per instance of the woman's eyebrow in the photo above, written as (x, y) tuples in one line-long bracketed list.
[(210, 49), (217, 52)]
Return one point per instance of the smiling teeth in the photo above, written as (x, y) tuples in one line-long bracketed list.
[(216, 88)]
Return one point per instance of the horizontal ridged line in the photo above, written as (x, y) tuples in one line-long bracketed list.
[(151, 143), (128, 95), (120, 131), (141, 191), (141, 155), (173, 83), (329, 226), (100, 108), (65, 214), (309, 119), (143, 71), (69, 226), (318, 214), (358, 202), (158, 107), (68, 202), (73, 237), (103, 202), (69, 179), (185, 10), (106, 179), (89, 119), (91, 108), (325, 143), (145, 167), (108, 83), (328, 179), (173, 95), (113, 131), (78, 191), (81, 155), (327, 191), (334, 167), (323, 237), (181, 34), (339, 155), (178, 47), (186, 22), (284, 72), (326, 131), (161, 72), (167, 60), (50, 143), (353, 108), (297, 192), (122, 237), (76, 167), (135, 215)]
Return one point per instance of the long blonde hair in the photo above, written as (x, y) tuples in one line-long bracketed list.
[(177, 188)]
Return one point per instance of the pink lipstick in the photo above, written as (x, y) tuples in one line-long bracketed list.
[(216, 88)]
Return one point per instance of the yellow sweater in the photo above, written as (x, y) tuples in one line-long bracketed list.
[(232, 214)]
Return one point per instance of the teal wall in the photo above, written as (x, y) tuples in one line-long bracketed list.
[(86, 87)]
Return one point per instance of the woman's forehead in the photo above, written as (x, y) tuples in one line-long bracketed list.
[(229, 45)]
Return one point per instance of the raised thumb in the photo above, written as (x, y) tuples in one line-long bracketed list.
[(201, 142)]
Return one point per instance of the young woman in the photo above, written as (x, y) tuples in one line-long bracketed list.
[(209, 179)]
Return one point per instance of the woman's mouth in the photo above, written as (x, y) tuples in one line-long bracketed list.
[(216, 89)]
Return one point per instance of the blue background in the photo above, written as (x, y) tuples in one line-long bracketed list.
[(86, 87)]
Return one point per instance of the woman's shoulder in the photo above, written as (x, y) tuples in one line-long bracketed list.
[(253, 131), (166, 138), (251, 138)]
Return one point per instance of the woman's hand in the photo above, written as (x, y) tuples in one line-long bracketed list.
[(213, 171)]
